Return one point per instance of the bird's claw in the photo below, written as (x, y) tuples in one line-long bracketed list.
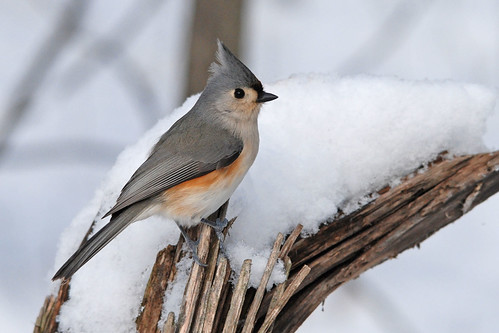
[(222, 223), (219, 225), (197, 260), (193, 245)]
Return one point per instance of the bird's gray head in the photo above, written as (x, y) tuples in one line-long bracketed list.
[(232, 88)]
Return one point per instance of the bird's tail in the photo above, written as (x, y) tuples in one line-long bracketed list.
[(90, 248)]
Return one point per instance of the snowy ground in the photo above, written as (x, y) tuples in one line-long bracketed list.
[(68, 142)]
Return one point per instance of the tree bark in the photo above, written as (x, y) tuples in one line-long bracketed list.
[(346, 246), (400, 218)]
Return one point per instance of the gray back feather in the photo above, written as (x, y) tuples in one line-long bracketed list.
[(191, 148), (197, 143)]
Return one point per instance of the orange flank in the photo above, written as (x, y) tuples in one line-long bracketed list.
[(222, 176), (188, 197)]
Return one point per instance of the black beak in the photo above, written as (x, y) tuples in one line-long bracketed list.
[(265, 97)]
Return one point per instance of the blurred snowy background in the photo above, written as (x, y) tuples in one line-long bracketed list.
[(113, 68)]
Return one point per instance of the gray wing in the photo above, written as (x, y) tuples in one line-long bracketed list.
[(191, 148)]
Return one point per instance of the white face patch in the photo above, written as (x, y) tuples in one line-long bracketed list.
[(242, 108)]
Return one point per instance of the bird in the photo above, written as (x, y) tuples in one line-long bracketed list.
[(197, 163)]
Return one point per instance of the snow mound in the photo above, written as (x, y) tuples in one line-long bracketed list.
[(325, 144)]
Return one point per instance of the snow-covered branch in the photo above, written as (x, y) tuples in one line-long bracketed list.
[(400, 217)]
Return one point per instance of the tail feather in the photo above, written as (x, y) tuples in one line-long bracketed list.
[(97, 242)]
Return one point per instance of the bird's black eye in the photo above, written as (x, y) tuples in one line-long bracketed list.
[(238, 93)]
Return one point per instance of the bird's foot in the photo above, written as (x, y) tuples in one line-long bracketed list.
[(193, 245), (219, 225)]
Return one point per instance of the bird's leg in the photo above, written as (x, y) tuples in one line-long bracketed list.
[(218, 226), (193, 245)]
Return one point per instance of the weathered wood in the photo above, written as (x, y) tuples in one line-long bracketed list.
[(207, 285), (255, 305), (290, 241), (214, 296), (345, 246), (279, 289), (169, 326), (398, 219), (224, 302), (46, 321), (152, 301), (238, 298), (209, 282), (192, 290), (286, 295)]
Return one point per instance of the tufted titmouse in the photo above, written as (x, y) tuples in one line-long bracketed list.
[(196, 165)]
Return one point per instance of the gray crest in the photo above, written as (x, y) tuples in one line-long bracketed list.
[(231, 72)]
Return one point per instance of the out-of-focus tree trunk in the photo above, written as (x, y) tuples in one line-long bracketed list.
[(212, 19)]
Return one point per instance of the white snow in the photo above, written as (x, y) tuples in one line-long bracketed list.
[(326, 143), (66, 144), (175, 291)]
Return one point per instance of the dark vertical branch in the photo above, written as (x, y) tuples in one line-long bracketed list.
[(212, 19)]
